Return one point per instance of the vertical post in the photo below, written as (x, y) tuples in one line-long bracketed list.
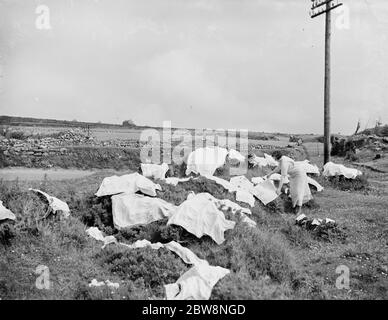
[(327, 86)]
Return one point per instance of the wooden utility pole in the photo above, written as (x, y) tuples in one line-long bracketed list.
[(320, 7)]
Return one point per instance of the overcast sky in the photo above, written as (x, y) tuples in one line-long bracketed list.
[(250, 64)]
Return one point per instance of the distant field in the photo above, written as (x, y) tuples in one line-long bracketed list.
[(107, 134)]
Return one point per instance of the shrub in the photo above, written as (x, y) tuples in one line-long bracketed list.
[(157, 231), (360, 183), (98, 212), (19, 135), (256, 252), (7, 233), (71, 232), (261, 254), (296, 236), (240, 286), (130, 290), (155, 267)]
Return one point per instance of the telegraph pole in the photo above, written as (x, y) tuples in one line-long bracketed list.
[(318, 8)]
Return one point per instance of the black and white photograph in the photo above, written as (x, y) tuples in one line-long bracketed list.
[(198, 150)]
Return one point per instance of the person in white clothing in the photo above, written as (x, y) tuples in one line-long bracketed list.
[(299, 188)]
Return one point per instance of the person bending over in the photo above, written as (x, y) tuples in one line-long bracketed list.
[(297, 176)]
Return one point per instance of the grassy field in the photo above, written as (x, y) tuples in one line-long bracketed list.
[(276, 260)]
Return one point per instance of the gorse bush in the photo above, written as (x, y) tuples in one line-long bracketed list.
[(240, 286), (256, 252), (360, 183), (7, 233), (155, 267), (98, 212), (19, 135)]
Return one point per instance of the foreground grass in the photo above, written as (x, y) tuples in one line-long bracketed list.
[(276, 260)]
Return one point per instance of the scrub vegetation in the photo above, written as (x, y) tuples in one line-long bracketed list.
[(275, 260)]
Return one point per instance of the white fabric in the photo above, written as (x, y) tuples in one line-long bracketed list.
[(128, 183), (54, 203), (265, 191), (199, 215), (270, 160), (249, 221), (246, 197), (95, 233), (277, 177), (267, 160), (196, 283), (142, 244), (205, 161), (241, 194), (244, 190), (185, 254), (259, 161), (226, 204), (331, 169), (134, 209), (300, 218), (315, 184), (6, 213), (174, 181), (226, 184), (242, 182), (235, 155), (308, 167), (327, 220), (156, 171), (108, 283), (256, 180), (299, 188), (316, 222)]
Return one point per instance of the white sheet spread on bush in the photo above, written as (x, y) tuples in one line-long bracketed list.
[(185, 254), (241, 182), (236, 156), (267, 160), (156, 171), (6, 213), (265, 191), (55, 204), (133, 209), (128, 183), (174, 181), (331, 169), (97, 234), (199, 216), (107, 283), (259, 161), (270, 160), (206, 160), (245, 196), (308, 167), (196, 283)]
